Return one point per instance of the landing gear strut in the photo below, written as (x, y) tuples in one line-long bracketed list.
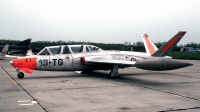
[(114, 72), (20, 74)]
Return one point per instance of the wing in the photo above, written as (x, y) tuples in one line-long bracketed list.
[(107, 60)]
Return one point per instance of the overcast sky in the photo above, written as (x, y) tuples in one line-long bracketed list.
[(101, 21)]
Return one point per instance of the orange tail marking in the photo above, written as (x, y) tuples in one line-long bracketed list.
[(151, 49), (173, 41)]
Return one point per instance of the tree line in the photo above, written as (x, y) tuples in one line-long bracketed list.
[(126, 46)]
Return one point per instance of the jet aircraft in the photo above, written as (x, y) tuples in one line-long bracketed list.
[(21, 46), (87, 58)]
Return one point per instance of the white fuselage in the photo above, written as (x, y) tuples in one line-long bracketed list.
[(130, 55)]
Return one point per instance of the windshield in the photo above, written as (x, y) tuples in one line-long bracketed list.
[(44, 52)]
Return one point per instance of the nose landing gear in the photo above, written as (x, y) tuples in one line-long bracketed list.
[(20, 74)]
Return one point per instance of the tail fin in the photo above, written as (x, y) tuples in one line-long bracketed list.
[(166, 48), (24, 43), (149, 45), (4, 50)]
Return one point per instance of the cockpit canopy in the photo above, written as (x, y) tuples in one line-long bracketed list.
[(68, 49)]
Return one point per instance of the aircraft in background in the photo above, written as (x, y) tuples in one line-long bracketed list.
[(22, 46), (29, 53), (151, 50), (87, 58), (4, 51)]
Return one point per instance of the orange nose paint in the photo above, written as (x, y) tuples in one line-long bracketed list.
[(28, 62)]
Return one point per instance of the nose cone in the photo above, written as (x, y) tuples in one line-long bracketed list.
[(26, 62), (15, 62), (11, 63)]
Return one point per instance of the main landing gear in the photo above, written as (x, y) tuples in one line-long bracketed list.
[(20, 74), (114, 72)]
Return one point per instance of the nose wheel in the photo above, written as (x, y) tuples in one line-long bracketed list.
[(20, 75)]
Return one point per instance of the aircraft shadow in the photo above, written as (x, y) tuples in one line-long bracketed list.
[(124, 78), (57, 76)]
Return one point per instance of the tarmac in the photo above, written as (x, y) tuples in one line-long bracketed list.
[(136, 91)]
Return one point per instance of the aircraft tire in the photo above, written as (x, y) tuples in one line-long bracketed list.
[(20, 75)]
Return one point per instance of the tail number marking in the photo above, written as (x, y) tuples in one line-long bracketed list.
[(46, 62)]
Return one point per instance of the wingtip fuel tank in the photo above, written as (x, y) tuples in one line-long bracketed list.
[(159, 64)]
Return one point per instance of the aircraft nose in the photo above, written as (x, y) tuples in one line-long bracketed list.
[(15, 62)]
